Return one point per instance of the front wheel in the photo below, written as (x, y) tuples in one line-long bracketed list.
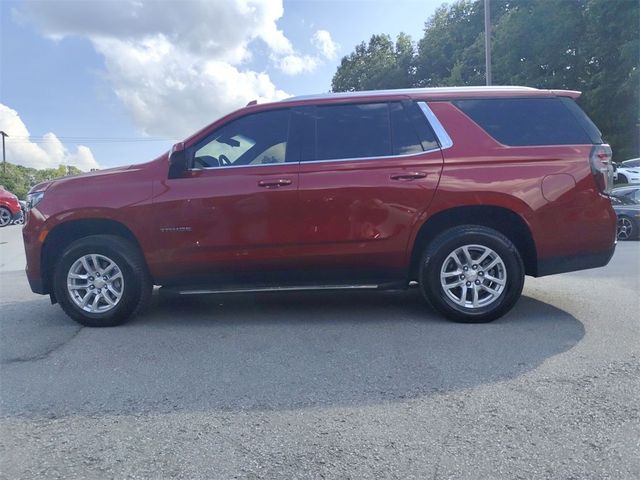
[(471, 274), (626, 228), (5, 216), (102, 281)]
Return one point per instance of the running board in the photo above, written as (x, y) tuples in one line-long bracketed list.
[(203, 291)]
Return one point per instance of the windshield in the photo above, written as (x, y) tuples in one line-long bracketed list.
[(635, 162)]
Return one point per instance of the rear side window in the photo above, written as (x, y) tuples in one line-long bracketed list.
[(528, 121), (352, 131), (403, 134)]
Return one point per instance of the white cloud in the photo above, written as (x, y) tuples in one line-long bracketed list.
[(179, 65), (295, 64), (171, 92), (49, 152), (322, 41)]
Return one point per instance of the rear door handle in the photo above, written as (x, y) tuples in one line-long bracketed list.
[(280, 182), (408, 176)]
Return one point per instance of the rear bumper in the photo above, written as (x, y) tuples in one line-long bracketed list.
[(553, 265)]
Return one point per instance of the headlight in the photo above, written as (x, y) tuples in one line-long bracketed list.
[(33, 199)]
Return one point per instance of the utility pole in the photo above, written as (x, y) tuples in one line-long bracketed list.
[(4, 159), (487, 41)]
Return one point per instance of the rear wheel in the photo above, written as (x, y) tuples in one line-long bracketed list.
[(101, 281), (471, 274)]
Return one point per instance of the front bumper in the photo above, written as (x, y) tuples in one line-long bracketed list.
[(31, 233)]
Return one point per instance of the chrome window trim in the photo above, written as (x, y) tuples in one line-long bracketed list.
[(351, 159), (242, 166), (441, 134)]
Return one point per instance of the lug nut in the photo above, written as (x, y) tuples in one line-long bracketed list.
[(475, 267), (91, 279), (468, 284), (481, 273), (461, 277), (465, 268), (105, 278), (91, 287), (477, 282)]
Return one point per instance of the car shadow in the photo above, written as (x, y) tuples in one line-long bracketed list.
[(279, 351)]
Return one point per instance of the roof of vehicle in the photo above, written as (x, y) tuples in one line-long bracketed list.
[(426, 94), (440, 93)]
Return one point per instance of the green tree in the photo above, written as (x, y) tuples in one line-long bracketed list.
[(377, 65), (612, 87), (587, 45), (19, 179)]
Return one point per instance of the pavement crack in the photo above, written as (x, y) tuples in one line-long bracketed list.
[(43, 355)]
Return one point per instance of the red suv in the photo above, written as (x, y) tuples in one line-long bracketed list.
[(462, 190), (10, 209)]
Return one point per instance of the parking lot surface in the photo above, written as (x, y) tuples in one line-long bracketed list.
[(326, 385)]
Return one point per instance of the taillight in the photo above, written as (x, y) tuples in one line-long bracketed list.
[(602, 167)]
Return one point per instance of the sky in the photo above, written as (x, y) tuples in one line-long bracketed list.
[(102, 83)]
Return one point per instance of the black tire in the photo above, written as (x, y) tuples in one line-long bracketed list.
[(631, 230), (5, 217), (137, 289), (438, 251)]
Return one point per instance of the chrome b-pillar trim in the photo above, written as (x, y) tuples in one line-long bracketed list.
[(443, 137)]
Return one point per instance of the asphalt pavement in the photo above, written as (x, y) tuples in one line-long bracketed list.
[(325, 385)]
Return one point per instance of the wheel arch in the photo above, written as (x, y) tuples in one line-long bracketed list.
[(63, 234), (502, 219)]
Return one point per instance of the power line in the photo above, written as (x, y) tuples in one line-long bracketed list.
[(47, 139)]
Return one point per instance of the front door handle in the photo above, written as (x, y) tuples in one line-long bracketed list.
[(408, 176), (280, 182)]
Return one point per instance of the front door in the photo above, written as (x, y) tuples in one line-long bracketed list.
[(233, 216)]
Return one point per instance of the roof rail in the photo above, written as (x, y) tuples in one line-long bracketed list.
[(408, 91)]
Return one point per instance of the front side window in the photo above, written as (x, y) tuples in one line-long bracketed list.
[(256, 139)]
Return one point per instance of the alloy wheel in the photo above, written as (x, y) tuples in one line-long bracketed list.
[(473, 276), (5, 217), (625, 228), (95, 283)]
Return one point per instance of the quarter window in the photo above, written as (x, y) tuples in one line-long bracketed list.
[(256, 139), (526, 121)]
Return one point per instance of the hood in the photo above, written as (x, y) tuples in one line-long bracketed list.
[(43, 186)]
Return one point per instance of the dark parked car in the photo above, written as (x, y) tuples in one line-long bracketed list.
[(631, 192), (464, 190), (628, 212)]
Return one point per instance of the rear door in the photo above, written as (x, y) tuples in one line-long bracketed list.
[(369, 171)]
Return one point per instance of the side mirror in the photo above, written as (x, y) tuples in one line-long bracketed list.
[(177, 161)]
